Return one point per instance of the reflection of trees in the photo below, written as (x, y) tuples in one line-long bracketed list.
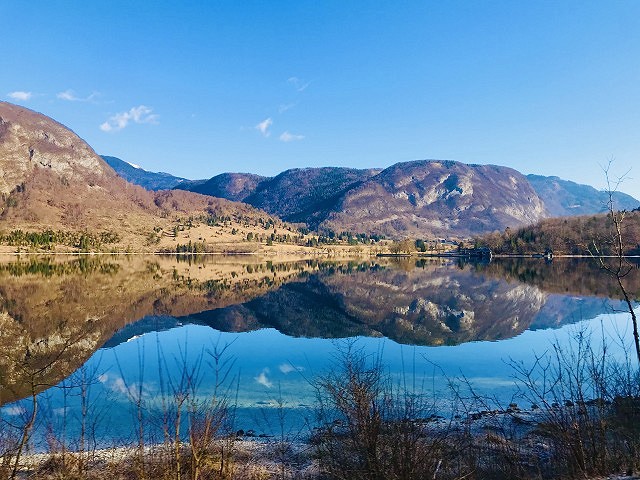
[(66, 309), (563, 276), (47, 267)]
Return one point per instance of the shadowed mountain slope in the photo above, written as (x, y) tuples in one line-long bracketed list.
[(139, 176), (232, 186), (306, 194)]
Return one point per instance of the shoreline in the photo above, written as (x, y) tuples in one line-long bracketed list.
[(510, 431)]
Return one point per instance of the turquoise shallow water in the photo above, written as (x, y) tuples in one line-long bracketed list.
[(270, 375)]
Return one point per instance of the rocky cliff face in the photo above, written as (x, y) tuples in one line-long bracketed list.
[(30, 141), (50, 178), (438, 198)]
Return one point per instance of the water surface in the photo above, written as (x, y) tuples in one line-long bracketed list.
[(138, 330)]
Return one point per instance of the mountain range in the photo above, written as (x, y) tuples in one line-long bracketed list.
[(407, 199), (50, 179)]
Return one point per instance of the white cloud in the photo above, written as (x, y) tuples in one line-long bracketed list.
[(262, 379), (263, 127), (18, 95), (298, 84), (70, 96), (139, 114), (290, 137)]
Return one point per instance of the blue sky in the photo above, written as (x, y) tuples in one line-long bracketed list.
[(200, 88)]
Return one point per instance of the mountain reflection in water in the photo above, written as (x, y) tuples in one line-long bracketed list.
[(418, 303), (56, 312)]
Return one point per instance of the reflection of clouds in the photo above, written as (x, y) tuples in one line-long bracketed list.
[(61, 412), (492, 381), (118, 385), (14, 410), (262, 379), (288, 368)]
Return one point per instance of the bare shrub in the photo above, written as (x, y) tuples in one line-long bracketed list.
[(370, 428), (589, 404)]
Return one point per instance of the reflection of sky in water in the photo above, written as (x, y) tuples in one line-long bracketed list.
[(270, 367)]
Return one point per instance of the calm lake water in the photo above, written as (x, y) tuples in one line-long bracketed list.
[(110, 338)]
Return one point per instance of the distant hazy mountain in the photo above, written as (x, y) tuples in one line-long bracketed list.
[(564, 198), (148, 180)]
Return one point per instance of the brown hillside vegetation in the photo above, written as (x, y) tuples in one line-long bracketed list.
[(566, 236), (53, 184)]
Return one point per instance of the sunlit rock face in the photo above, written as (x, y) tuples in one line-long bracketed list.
[(438, 198), (51, 180), (29, 140)]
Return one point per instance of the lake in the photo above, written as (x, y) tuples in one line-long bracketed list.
[(102, 341)]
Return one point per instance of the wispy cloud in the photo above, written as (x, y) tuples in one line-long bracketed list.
[(263, 127), (70, 96), (298, 84), (286, 106), (139, 114), (263, 379), (20, 95), (290, 137)]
